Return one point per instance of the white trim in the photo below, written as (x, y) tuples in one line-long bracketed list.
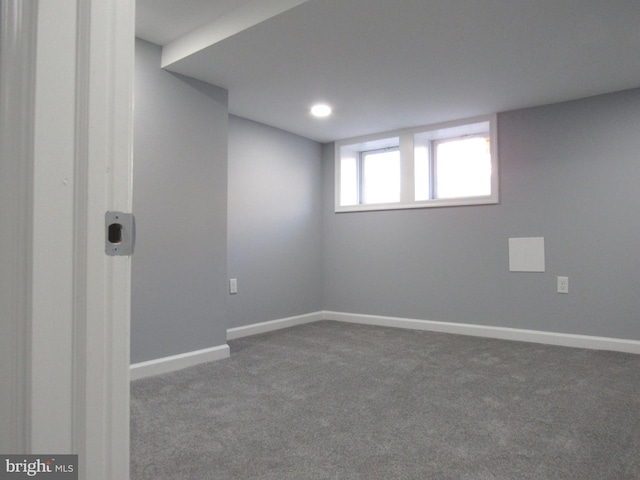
[(53, 345), (104, 130), (263, 327), (184, 360), (486, 331), (70, 75), (504, 333), (18, 42), (189, 359), (178, 362)]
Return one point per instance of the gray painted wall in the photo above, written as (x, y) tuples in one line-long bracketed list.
[(179, 294), (569, 173), (275, 217)]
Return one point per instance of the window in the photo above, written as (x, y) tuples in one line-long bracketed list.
[(380, 176), (441, 165), (462, 167)]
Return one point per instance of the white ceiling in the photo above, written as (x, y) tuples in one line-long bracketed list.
[(390, 64)]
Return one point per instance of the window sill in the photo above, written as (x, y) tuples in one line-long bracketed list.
[(445, 202)]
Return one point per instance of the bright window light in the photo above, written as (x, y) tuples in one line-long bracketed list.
[(381, 176), (463, 167), (321, 110), (349, 185)]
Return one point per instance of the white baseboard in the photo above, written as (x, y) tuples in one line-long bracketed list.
[(504, 333), (177, 362), (263, 327)]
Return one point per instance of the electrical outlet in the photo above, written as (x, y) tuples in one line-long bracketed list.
[(233, 285), (563, 284)]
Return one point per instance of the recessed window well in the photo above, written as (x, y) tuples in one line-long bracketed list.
[(448, 164), (321, 110)]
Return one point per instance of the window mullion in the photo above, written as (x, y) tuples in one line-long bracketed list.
[(360, 173), (407, 170), (433, 174)]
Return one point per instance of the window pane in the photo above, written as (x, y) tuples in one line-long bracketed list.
[(349, 181), (463, 168), (381, 176), (421, 172)]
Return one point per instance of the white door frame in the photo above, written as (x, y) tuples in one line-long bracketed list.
[(66, 159)]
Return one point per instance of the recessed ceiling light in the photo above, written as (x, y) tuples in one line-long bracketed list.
[(321, 110)]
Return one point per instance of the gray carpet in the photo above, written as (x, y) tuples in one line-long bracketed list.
[(338, 401)]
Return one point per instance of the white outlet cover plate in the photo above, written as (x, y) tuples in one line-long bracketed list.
[(563, 284)]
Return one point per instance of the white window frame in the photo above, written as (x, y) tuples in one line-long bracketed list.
[(407, 140)]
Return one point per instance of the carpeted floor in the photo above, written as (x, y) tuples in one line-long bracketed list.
[(331, 400)]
